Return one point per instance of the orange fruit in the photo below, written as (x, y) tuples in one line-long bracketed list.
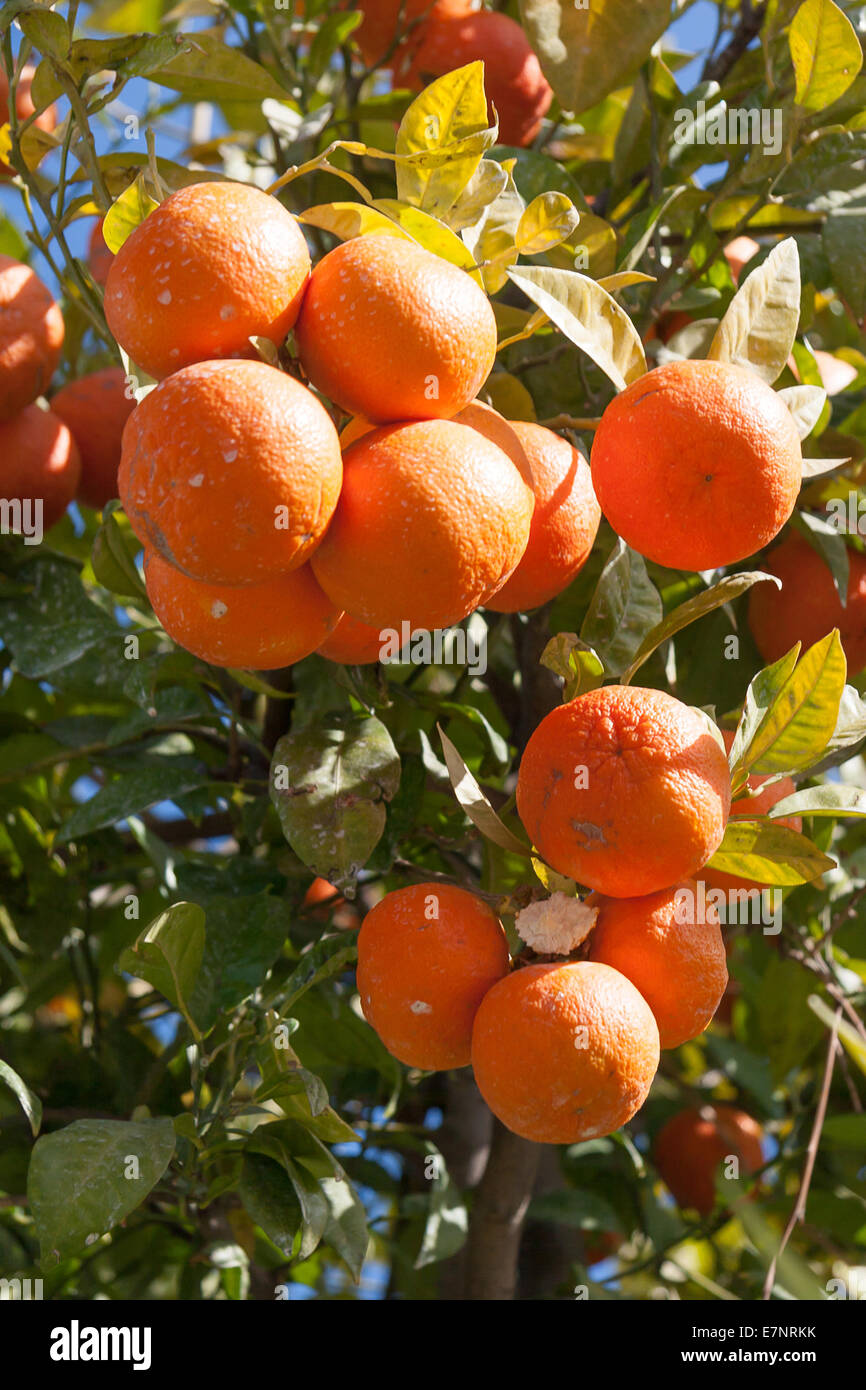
[(231, 470), (352, 643), (625, 790), (487, 421), (24, 107), (697, 464), (213, 265), (513, 80), (392, 332), (427, 955), (747, 808), (31, 336), (99, 258), (690, 1148), (431, 519), (836, 374), (670, 950), (327, 904), (260, 626), (739, 252), (563, 1053), (386, 21), (96, 408), (564, 523), (808, 606), (38, 463)]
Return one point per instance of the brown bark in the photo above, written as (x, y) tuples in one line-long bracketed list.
[(497, 1216)]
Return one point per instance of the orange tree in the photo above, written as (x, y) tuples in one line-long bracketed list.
[(199, 808)]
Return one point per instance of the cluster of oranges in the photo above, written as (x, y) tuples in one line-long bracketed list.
[(267, 535), (418, 40), (71, 450), (626, 791)]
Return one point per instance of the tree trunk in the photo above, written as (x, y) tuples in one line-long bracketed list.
[(497, 1216)]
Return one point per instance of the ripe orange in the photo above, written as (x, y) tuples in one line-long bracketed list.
[(739, 252), (31, 336), (564, 523), (38, 462), (746, 809), (431, 519), (625, 790), (427, 955), (392, 332), (670, 950), (231, 470), (213, 265), (261, 626), (807, 606), (697, 464), (96, 408), (563, 1053), (24, 107), (513, 80), (99, 258), (487, 421), (352, 643), (327, 904), (384, 22), (690, 1147)]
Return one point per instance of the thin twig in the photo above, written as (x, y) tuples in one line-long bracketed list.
[(798, 1211)]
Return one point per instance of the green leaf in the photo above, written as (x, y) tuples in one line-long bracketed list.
[(793, 732), (348, 220), (326, 958), (208, 69), (346, 1228), (760, 326), (445, 132), (245, 935), (485, 186), (475, 803), (447, 1223), (548, 220), (315, 1208), (131, 792), (788, 1029), (586, 1211), (269, 1196), (55, 623), (168, 953), (848, 1036), (112, 563), (330, 784), (46, 29), (86, 1178), (30, 1103), (589, 317), (843, 237), (589, 51), (686, 613), (624, 608), (580, 668), (806, 404), (845, 1132), (126, 213), (770, 854), (830, 799), (331, 35), (826, 53)]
